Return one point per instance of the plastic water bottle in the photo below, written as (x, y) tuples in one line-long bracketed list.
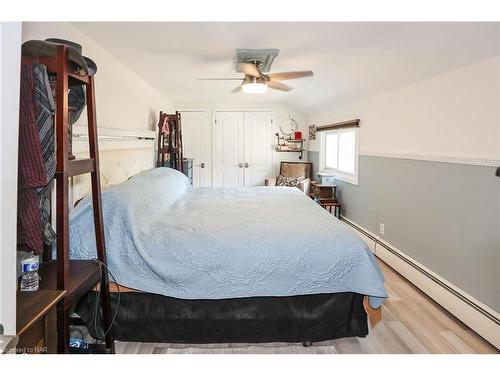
[(29, 280)]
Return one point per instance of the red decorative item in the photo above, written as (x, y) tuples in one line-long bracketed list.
[(298, 136)]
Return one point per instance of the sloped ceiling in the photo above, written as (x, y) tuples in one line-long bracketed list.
[(351, 61)]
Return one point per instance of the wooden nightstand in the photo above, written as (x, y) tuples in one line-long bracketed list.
[(326, 197), (36, 321)]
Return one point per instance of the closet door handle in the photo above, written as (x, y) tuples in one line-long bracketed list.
[(240, 165), (202, 165), (246, 165)]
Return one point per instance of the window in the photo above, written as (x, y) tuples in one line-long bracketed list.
[(339, 154)]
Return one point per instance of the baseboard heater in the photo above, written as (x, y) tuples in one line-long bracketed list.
[(450, 289)]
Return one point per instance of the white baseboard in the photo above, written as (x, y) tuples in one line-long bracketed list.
[(475, 314)]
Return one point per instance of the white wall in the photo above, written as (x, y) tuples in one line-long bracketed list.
[(444, 216), (10, 38), (281, 117), (456, 114), (124, 100)]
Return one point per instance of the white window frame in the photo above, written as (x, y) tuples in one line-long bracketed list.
[(351, 178)]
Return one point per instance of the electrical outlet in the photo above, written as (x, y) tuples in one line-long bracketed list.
[(382, 228)]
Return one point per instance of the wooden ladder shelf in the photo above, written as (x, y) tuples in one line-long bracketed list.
[(170, 141), (76, 277)]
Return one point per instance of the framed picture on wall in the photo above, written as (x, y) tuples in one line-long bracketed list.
[(312, 132)]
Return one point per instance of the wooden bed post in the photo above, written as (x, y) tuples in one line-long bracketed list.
[(374, 315)]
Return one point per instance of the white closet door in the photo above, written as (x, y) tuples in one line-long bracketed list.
[(196, 139), (228, 149), (257, 155)]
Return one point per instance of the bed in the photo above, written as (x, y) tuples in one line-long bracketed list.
[(200, 265)]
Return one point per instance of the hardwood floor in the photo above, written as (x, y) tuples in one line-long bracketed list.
[(411, 323)]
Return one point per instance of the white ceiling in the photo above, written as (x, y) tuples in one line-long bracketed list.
[(350, 61)]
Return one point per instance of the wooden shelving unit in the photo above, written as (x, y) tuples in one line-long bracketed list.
[(170, 152), (75, 277), (285, 147)]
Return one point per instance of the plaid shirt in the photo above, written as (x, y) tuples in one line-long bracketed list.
[(31, 173)]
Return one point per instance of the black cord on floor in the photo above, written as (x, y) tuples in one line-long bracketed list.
[(96, 311)]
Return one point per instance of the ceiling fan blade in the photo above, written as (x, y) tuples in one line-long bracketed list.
[(249, 69), (278, 86), (236, 89), (219, 79), (289, 75)]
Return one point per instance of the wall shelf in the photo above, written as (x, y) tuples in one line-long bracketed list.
[(286, 147)]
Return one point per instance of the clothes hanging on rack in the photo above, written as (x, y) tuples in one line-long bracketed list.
[(169, 152), (45, 110), (75, 277), (37, 163), (164, 128), (76, 100), (31, 168), (38, 107)]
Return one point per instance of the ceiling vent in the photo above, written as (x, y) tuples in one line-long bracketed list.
[(263, 56)]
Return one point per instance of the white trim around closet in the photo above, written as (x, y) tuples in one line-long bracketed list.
[(209, 146)]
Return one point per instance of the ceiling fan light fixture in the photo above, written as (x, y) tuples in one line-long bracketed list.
[(254, 85)]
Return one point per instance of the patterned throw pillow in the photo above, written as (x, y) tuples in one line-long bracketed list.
[(289, 181)]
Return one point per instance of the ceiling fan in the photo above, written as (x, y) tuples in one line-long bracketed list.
[(257, 82)]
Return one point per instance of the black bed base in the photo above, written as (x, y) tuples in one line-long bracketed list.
[(146, 317)]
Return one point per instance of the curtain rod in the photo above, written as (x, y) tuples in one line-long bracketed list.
[(339, 125)]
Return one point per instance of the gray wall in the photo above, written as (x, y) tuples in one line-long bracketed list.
[(445, 216)]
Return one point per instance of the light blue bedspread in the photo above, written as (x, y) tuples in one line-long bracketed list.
[(165, 237)]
